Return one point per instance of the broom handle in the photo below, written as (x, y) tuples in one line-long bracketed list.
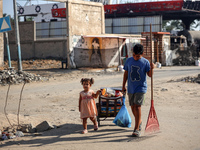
[(151, 62)]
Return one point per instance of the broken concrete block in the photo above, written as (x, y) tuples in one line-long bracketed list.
[(27, 128), (44, 126)]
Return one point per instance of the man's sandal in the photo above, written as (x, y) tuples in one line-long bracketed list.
[(136, 133), (140, 126), (84, 131)]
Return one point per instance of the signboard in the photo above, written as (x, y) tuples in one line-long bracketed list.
[(59, 12), (5, 24)]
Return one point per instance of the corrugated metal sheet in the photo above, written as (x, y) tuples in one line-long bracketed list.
[(136, 29), (134, 25), (42, 25), (108, 22), (124, 29), (108, 29), (116, 22), (51, 29), (140, 21), (117, 30), (57, 24), (152, 20), (155, 28)]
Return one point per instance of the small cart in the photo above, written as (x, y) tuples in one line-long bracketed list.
[(108, 106)]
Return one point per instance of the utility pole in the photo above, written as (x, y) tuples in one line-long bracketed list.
[(17, 36), (8, 49)]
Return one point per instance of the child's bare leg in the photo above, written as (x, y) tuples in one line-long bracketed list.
[(94, 120), (85, 123)]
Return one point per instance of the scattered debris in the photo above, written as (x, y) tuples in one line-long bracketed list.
[(5, 135), (19, 134), (11, 133), (27, 128), (163, 89), (11, 76), (189, 79), (44, 126)]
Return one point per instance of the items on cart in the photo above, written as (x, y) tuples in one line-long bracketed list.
[(110, 109), (110, 92), (111, 102)]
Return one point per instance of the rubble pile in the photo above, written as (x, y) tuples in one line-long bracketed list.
[(12, 132), (11, 76), (190, 79)]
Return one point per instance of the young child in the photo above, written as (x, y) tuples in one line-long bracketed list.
[(87, 106), (136, 68)]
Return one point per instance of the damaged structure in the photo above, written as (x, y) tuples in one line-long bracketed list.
[(82, 36), (83, 18), (185, 47), (83, 42)]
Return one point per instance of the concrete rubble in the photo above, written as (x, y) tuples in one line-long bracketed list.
[(11, 76), (44, 126), (27, 128), (190, 79), (11, 133)]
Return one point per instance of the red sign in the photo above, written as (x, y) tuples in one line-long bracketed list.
[(144, 7), (59, 12), (132, 8)]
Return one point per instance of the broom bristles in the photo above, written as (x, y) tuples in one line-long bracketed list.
[(152, 122), (152, 128)]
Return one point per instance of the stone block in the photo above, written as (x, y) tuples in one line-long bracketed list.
[(44, 126)]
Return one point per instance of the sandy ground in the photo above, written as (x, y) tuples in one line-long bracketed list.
[(176, 104)]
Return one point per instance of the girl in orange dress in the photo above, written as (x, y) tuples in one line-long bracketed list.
[(87, 106)]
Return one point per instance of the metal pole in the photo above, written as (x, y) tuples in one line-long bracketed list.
[(17, 36), (68, 65), (157, 50), (119, 53), (151, 62), (8, 49)]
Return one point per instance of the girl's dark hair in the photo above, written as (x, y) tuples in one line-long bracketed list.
[(138, 49), (91, 81)]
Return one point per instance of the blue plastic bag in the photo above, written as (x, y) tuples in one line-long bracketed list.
[(123, 118)]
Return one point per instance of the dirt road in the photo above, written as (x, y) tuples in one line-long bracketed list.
[(176, 103)]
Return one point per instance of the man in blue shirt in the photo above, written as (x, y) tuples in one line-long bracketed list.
[(136, 68)]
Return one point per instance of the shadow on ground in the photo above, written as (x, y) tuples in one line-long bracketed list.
[(72, 133)]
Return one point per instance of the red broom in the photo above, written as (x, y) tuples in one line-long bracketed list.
[(152, 121)]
